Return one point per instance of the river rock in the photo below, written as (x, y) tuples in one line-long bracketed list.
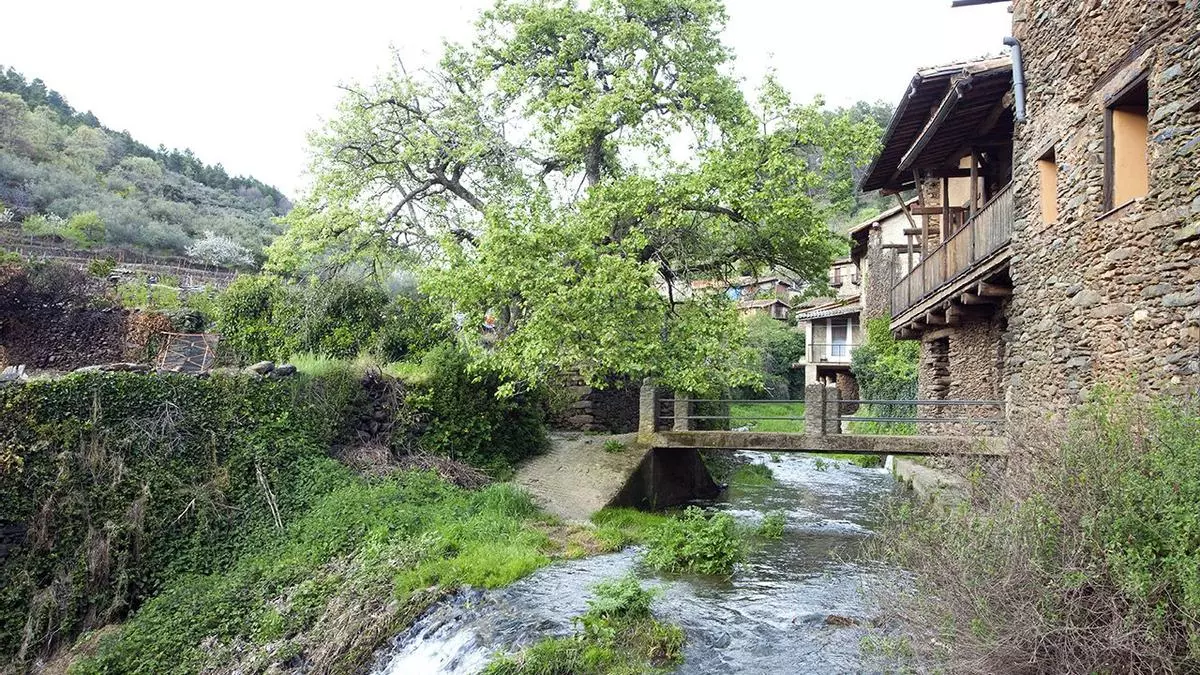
[(285, 370), (261, 368)]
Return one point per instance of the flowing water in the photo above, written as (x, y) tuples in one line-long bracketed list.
[(773, 616)]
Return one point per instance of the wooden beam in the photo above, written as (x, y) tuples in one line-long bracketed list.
[(955, 172), (933, 318), (972, 299), (974, 183), (933, 210), (993, 290)]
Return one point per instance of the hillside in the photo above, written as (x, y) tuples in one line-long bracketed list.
[(65, 176)]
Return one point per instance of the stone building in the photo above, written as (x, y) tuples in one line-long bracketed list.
[(881, 252), (1082, 212), (1106, 181)]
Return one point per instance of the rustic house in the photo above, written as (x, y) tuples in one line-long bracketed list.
[(950, 141), (862, 284), (769, 295)]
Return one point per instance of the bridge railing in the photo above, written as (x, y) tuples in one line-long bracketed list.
[(822, 412)]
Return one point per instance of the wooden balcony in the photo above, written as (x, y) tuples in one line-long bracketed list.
[(973, 251)]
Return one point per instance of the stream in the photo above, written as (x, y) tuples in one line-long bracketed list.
[(771, 617)]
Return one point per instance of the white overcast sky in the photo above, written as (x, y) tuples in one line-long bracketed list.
[(242, 82)]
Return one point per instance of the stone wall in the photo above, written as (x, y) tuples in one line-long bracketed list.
[(965, 362), (613, 409), (880, 273), (1105, 296)]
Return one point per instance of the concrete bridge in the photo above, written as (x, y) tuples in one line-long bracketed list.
[(825, 413)]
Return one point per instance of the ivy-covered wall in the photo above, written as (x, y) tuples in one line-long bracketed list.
[(113, 483)]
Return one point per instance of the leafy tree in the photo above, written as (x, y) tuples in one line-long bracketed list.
[(85, 229), (779, 346), (542, 171)]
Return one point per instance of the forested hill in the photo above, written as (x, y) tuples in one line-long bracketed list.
[(65, 176)]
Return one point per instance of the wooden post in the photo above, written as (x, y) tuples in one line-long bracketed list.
[(945, 209), (974, 183), (647, 412)]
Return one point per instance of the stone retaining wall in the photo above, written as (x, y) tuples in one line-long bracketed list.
[(1105, 296)]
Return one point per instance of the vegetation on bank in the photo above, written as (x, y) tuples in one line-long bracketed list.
[(886, 370), (363, 560), (617, 634), (129, 486), (1094, 568), (66, 178), (751, 414)]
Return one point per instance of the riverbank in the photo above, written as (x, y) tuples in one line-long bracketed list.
[(795, 605)]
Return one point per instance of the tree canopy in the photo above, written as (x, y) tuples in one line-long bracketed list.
[(569, 172)]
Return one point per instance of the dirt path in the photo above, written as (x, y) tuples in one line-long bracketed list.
[(577, 477)]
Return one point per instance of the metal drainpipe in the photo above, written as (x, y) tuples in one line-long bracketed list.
[(1018, 65)]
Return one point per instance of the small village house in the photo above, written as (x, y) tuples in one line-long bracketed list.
[(862, 284), (753, 295)]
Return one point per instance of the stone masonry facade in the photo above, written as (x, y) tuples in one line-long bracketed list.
[(1104, 295)]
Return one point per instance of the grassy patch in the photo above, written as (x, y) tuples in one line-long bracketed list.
[(864, 461), (382, 543), (617, 634), (696, 541), (613, 445), (618, 528), (752, 474), (747, 414), (772, 525)]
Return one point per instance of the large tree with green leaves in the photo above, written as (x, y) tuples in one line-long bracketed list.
[(571, 171)]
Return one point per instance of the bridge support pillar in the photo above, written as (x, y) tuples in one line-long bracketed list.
[(822, 407), (814, 409), (833, 410), (683, 413), (647, 412)]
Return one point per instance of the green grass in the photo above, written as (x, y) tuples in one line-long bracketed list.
[(743, 414), (618, 634), (751, 475), (391, 539), (621, 527), (864, 461)]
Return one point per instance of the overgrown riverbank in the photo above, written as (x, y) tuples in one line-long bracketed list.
[(214, 513), (1093, 567)]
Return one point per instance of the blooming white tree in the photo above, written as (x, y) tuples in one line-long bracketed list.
[(213, 249)]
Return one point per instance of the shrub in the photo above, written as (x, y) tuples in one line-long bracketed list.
[(612, 445), (127, 482), (1095, 569), (886, 369), (779, 346), (696, 542), (465, 419), (772, 525), (84, 229)]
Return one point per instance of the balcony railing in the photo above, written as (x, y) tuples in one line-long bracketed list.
[(977, 240), (829, 352)]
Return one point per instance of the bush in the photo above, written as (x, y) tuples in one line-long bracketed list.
[(752, 474), (779, 346), (1096, 569), (886, 370), (127, 482), (696, 542), (265, 318), (465, 419), (772, 525), (85, 229)]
